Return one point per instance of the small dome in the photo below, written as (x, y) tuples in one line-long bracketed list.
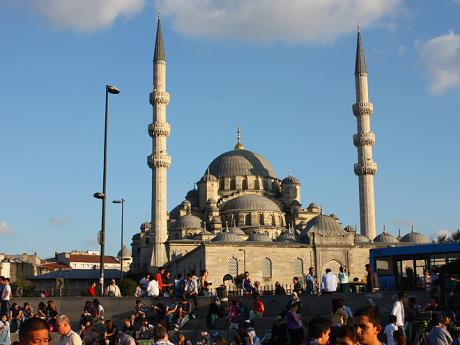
[(325, 226), (333, 215), (414, 237), (287, 236), (186, 202), (126, 253), (136, 237), (227, 236), (259, 237), (237, 231), (361, 238), (385, 237), (208, 177), (250, 202), (290, 180), (216, 220), (312, 205), (349, 228), (240, 162), (188, 222), (145, 226)]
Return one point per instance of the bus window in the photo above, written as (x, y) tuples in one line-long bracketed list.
[(384, 266)]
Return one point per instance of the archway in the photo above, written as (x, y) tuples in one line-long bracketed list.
[(334, 265)]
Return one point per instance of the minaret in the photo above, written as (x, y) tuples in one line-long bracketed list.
[(159, 161), (363, 140)]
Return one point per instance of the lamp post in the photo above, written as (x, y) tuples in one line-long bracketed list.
[(122, 202), (244, 258), (102, 196)]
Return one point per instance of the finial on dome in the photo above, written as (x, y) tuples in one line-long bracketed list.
[(412, 230), (158, 13), (238, 145), (384, 229), (399, 232), (290, 172)]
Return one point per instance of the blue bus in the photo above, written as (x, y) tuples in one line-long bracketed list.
[(400, 267)]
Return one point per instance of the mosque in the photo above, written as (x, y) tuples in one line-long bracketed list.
[(242, 217)]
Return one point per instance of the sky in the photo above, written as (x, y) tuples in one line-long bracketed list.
[(281, 69)]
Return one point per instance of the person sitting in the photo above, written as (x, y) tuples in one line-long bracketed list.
[(172, 311), (5, 338), (27, 311), (298, 289), (279, 290), (184, 313), (153, 289), (160, 335), (146, 331), (279, 330), (87, 333), (258, 308), (111, 332), (159, 310), (143, 283), (86, 313), (15, 317)]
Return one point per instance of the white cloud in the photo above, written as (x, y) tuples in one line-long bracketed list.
[(5, 228), (273, 20), (84, 15), (59, 221), (440, 58)]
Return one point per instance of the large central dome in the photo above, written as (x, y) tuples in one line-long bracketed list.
[(240, 163)]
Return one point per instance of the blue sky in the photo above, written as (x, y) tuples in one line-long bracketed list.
[(282, 70)]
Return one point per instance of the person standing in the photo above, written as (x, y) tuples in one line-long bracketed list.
[(328, 282), (344, 281), (159, 279), (389, 330), (246, 285), (372, 282), (6, 296), (312, 286), (294, 325), (92, 289), (398, 309), (113, 290), (68, 337)]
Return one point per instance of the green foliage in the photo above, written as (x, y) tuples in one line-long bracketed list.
[(127, 287), (27, 286), (239, 279)]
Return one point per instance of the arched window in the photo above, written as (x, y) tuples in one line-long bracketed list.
[(266, 233), (232, 184), (222, 184), (233, 267), (257, 184), (298, 267), (245, 184), (261, 219), (273, 220), (247, 220), (266, 268), (280, 220)]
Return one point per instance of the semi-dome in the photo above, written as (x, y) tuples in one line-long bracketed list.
[(227, 236), (259, 237), (250, 202), (126, 252), (188, 222), (240, 163), (385, 237), (323, 225), (414, 237), (287, 236), (237, 231), (361, 238)]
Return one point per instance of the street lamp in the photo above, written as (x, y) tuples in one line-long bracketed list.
[(102, 195), (122, 202), (244, 258)]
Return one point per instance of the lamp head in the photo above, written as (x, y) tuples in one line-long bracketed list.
[(112, 89), (99, 195)]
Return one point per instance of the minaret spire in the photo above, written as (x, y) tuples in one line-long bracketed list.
[(364, 139), (159, 161)]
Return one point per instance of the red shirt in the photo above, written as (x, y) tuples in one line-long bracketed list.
[(259, 307), (159, 279), (92, 291)]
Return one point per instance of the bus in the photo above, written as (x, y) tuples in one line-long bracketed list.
[(400, 267)]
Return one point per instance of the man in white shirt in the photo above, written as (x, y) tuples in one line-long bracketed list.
[(329, 282), (398, 309), (68, 337), (153, 289), (113, 290), (6, 296)]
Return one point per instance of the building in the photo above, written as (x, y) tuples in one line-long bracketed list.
[(243, 217), (88, 260), (20, 266)]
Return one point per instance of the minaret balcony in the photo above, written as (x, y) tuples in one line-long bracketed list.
[(159, 97), (160, 160), (364, 138), (365, 168), (157, 129), (363, 108)]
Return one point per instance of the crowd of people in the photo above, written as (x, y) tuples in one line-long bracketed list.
[(174, 303)]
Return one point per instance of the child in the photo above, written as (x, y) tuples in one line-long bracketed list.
[(390, 329), (319, 330)]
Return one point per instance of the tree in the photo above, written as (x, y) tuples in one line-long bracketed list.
[(127, 287), (448, 237)]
